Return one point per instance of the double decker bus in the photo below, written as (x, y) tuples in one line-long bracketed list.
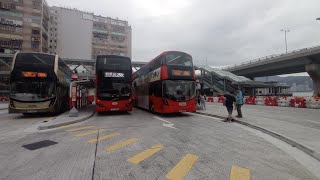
[(166, 84), (39, 83), (113, 83)]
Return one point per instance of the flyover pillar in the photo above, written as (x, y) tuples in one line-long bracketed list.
[(314, 72)]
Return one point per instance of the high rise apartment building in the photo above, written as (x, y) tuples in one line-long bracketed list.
[(30, 25), (23, 26), (110, 36), (82, 35)]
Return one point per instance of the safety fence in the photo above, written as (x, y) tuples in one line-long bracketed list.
[(297, 102), (4, 98)]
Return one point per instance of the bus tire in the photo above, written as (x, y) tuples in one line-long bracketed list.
[(151, 108)]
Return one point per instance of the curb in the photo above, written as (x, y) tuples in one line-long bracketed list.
[(291, 142), (4, 109), (66, 123)]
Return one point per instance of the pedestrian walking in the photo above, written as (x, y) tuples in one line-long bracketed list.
[(202, 101), (229, 103), (239, 103)]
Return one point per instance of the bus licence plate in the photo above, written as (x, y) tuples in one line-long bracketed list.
[(182, 103), (183, 111), (114, 103), (32, 111), (115, 109)]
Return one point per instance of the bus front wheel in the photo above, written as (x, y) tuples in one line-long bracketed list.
[(151, 108)]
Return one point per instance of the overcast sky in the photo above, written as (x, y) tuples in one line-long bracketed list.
[(223, 32)]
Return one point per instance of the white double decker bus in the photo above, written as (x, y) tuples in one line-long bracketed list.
[(39, 83)]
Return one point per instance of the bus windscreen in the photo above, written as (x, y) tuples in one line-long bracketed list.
[(34, 60), (178, 59), (179, 90), (112, 63)]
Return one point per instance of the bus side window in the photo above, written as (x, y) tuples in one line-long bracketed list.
[(159, 89)]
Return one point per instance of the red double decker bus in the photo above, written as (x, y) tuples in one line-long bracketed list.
[(113, 83), (166, 84)]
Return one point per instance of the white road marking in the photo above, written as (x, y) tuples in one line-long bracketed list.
[(206, 116), (166, 124), (312, 121)]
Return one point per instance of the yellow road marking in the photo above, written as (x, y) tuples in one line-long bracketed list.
[(89, 133), (80, 128), (121, 144), (103, 137), (182, 168), (239, 173), (145, 154)]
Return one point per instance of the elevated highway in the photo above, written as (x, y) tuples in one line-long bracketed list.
[(303, 60)]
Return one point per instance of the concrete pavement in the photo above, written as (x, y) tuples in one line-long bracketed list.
[(297, 124), (64, 119), (138, 145)]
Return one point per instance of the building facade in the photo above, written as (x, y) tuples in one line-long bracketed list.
[(110, 36), (23, 26), (70, 33), (81, 35)]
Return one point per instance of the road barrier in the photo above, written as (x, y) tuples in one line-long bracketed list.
[(298, 102), (313, 103), (281, 101), (4, 98)]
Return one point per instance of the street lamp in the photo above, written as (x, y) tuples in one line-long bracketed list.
[(285, 37)]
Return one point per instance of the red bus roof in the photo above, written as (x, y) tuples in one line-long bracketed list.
[(163, 53)]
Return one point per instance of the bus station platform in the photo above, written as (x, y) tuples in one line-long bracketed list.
[(299, 127), (65, 120)]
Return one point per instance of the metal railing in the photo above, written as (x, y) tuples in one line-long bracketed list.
[(299, 51)]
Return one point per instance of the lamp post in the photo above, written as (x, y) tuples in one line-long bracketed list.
[(285, 37)]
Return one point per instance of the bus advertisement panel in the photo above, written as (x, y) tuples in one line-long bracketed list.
[(166, 84), (39, 83), (113, 83)]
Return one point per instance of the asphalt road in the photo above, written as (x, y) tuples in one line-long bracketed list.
[(140, 145)]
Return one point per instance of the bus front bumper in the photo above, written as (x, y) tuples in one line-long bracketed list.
[(43, 110), (177, 109)]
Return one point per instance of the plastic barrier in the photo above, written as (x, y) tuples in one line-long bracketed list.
[(250, 100), (313, 103), (210, 99), (260, 100), (284, 101), (4, 98), (216, 99), (221, 99), (298, 102), (271, 101)]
